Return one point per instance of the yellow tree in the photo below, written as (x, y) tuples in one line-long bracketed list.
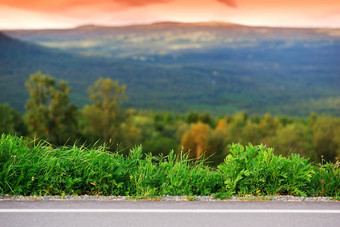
[(222, 125), (196, 138)]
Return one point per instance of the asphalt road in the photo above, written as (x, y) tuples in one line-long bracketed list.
[(171, 213)]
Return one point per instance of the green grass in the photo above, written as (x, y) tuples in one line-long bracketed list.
[(37, 168), (257, 171)]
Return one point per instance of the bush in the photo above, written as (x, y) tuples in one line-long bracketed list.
[(256, 170), (173, 175), (37, 168), (326, 180), (28, 168)]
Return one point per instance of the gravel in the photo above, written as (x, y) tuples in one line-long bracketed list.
[(168, 198)]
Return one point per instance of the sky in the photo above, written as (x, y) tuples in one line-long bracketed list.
[(28, 14)]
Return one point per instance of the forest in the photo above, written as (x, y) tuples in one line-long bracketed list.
[(52, 117), (211, 68)]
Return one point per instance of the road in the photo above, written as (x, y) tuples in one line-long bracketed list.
[(168, 213)]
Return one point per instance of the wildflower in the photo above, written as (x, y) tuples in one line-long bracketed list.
[(32, 178)]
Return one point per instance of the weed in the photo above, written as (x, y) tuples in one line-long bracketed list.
[(40, 169), (191, 198), (31, 168), (255, 170)]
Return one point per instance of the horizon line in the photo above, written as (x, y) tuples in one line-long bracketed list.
[(169, 22)]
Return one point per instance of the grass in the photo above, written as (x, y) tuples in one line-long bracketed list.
[(256, 170), (37, 168)]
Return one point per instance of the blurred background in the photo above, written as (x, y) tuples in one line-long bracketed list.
[(173, 74)]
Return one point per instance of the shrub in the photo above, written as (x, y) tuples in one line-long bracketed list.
[(173, 175), (326, 180), (256, 170), (37, 168), (28, 168)]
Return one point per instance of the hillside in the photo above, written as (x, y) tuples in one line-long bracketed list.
[(213, 67), (141, 41)]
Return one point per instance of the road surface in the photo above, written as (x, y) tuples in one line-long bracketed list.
[(168, 213)]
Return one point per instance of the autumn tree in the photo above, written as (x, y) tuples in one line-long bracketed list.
[(196, 139), (50, 114), (105, 116), (222, 125)]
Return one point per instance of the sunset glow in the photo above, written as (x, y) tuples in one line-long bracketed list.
[(70, 13)]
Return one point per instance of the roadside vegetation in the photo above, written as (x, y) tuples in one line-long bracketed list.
[(31, 167), (51, 116), (57, 149)]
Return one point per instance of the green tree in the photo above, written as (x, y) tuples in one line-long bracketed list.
[(6, 119), (251, 133), (268, 125), (235, 127), (216, 147), (50, 114), (295, 138), (105, 116), (326, 137)]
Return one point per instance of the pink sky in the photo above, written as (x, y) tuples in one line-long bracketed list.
[(70, 13)]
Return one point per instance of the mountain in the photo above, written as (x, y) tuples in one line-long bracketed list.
[(19, 59), (213, 67), (170, 37)]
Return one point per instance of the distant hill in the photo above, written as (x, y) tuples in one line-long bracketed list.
[(170, 37), (213, 67), (19, 59)]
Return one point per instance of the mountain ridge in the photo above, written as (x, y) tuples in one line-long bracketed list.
[(167, 37), (170, 23), (236, 69)]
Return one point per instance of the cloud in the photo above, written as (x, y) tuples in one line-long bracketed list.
[(140, 2), (230, 3), (55, 5), (97, 8)]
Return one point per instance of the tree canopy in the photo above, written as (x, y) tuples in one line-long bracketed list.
[(105, 116), (50, 114)]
